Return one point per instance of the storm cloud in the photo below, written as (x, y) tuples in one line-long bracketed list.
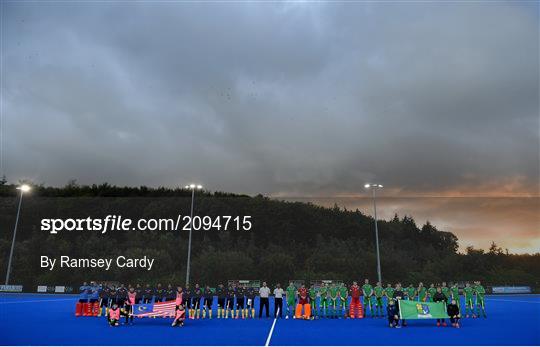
[(278, 98), (290, 100)]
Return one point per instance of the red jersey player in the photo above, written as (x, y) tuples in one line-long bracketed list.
[(356, 306), (303, 304)]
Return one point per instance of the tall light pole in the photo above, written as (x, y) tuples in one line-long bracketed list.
[(373, 188), (193, 187), (23, 188)]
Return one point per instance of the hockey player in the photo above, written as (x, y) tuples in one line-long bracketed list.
[(221, 293), (121, 292), (431, 292), (128, 306), (453, 311), (208, 300), (480, 302), (84, 291), (148, 294), (197, 295), (446, 291), (159, 293), (440, 297), (411, 293), (240, 301), (343, 296), (121, 298), (179, 297), (313, 292), (399, 295), (170, 293), (140, 293), (355, 306), (104, 300), (333, 291), (422, 292), (179, 316), (393, 314), (303, 308), (378, 297), (389, 292), (290, 297), (468, 291), (229, 302), (454, 292), (367, 290), (324, 301), (113, 316), (188, 305), (250, 307)]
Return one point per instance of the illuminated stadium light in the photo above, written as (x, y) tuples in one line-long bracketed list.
[(24, 188), (194, 186), (370, 185)]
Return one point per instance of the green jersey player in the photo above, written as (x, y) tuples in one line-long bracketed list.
[(431, 292), (389, 292), (313, 292), (468, 291), (446, 292), (323, 306), (290, 295), (480, 302), (422, 292), (367, 290), (343, 296), (411, 292), (333, 300), (454, 289), (379, 293)]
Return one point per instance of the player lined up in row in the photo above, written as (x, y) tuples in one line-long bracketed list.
[(237, 301)]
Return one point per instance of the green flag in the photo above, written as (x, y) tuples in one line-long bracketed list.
[(421, 310)]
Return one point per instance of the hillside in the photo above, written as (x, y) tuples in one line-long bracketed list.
[(287, 240)]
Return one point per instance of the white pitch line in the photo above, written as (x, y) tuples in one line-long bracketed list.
[(271, 330), (529, 302), (30, 301)]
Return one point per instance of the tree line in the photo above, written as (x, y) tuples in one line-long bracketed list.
[(288, 240)]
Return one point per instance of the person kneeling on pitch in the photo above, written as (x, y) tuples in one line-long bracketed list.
[(114, 315), (179, 317), (453, 311), (393, 314)]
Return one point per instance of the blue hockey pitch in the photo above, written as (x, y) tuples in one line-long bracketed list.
[(34, 319)]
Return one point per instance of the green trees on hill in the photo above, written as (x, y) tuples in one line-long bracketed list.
[(288, 240)]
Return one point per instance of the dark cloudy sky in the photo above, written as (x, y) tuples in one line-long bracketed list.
[(286, 99)]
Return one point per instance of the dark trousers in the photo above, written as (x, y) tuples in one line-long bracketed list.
[(127, 310), (393, 321), (264, 303), (278, 304)]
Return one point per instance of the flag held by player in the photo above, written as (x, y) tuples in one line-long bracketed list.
[(421, 310), (160, 309)]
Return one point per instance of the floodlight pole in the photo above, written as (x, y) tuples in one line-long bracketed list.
[(14, 236), (192, 187), (376, 235), (373, 187)]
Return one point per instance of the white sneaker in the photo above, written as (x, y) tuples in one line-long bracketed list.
[(287, 317)]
